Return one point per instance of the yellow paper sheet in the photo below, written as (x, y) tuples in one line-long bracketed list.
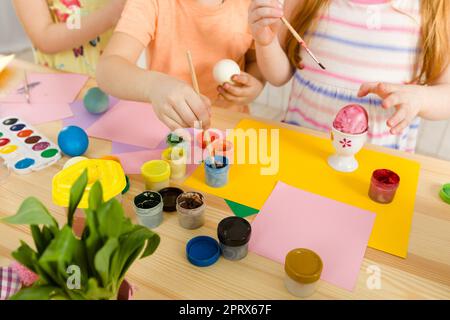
[(4, 61), (303, 164)]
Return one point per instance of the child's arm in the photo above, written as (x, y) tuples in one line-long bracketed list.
[(50, 37), (429, 102), (174, 101), (264, 20), (248, 85)]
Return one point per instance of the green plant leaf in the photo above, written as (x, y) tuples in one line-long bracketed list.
[(131, 245), (110, 217), (37, 293), (95, 196), (26, 256), (38, 238), (59, 255), (94, 292), (103, 260), (76, 193), (32, 212)]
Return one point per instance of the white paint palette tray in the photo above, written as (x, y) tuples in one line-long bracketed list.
[(23, 148)]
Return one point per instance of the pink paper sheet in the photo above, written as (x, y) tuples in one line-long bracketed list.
[(133, 161), (53, 88), (130, 123), (292, 218), (36, 113)]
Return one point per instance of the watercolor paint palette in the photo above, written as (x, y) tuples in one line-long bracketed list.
[(23, 148)]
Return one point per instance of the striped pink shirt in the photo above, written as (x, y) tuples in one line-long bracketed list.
[(358, 41)]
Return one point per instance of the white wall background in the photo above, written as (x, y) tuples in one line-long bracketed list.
[(434, 138)]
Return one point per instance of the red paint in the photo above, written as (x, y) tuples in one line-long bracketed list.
[(384, 185), (25, 133), (4, 142), (201, 139)]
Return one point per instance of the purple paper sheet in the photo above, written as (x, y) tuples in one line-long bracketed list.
[(83, 118)]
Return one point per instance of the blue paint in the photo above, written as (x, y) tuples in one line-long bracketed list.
[(217, 177), (25, 163), (203, 251), (17, 127)]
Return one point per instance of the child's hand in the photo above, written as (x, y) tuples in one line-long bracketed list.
[(244, 91), (407, 99), (264, 20), (178, 105)]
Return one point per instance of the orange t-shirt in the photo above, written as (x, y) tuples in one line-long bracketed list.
[(168, 28)]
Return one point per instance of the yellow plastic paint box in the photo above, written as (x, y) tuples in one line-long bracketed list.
[(108, 172)]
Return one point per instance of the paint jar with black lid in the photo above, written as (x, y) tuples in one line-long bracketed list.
[(149, 209), (234, 234)]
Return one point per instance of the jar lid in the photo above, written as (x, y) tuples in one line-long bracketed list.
[(156, 170), (170, 196), (109, 173), (445, 193), (234, 231), (303, 266), (202, 251)]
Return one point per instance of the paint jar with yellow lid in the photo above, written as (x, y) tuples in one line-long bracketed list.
[(176, 158), (156, 175), (303, 270)]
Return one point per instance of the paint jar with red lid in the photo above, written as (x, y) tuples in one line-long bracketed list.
[(383, 186)]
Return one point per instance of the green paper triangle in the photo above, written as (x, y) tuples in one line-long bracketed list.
[(240, 210)]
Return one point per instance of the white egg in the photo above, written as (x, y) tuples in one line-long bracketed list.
[(73, 161), (224, 70)]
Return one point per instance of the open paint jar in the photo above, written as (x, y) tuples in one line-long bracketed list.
[(174, 139), (303, 270), (149, 209), (234, 234), (176, 157), (223, 148), (383, 186), (156, 174), (216, 172), (170, 196), (191, 210)]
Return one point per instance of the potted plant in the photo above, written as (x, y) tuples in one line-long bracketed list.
[(92, 266)]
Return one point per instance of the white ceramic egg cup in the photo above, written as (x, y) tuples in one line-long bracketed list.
[(346, 146)]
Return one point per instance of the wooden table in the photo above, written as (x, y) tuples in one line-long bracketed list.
[(425, 274)]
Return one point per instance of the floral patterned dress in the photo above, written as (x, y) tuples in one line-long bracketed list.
[(82, 59)]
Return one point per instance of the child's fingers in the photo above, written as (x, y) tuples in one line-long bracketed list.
[(264, 3), (232, 98), (398, 129), (266, 12), (173, 114), (235, 91), (199, 109), (397, 118), (392, 100), (185, 114), (173, 125), (379, 88), (242, 79)]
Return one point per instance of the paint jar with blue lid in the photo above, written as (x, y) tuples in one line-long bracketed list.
[(234, 235), (217, 172), (191, 210), (202, 251), (149, 209)]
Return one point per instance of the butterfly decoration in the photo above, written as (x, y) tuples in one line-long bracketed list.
[(95, 42), (78, 51)]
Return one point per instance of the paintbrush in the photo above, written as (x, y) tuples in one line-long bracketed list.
[(301, 41), (31, 85), (206, 135), (27, 88)]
